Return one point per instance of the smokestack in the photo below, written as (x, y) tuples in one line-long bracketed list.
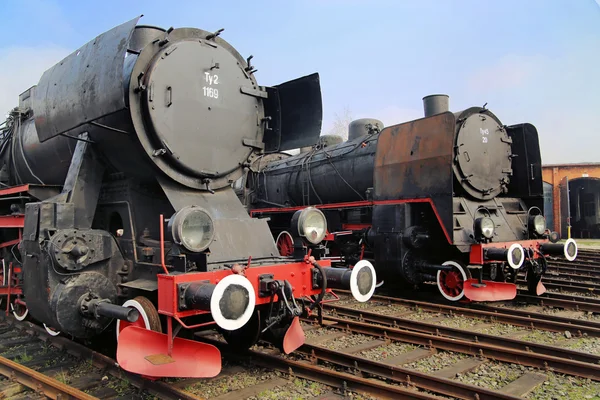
[(435, 104)]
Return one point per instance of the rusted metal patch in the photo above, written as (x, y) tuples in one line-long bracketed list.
[(159, 359), (414, 160)]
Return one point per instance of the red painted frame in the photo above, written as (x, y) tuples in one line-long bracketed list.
[(476, 255), (354, 204), (14, 189), (299, 274), (12, 221)]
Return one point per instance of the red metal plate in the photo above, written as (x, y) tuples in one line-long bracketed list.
[(12, 221), (294, 337), (493, 291), (145, 352)]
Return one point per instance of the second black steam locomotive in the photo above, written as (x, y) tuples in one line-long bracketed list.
[(453, 198)]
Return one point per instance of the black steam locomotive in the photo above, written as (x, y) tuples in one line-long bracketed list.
[(452, 198), (116, 201)]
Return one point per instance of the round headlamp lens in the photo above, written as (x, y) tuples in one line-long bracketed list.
[(539, 224), (487, 227), (192, 228), (312, 225)]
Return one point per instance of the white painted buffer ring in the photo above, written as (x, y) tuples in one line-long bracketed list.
[(356, 292), (215, 309), (515, 256)]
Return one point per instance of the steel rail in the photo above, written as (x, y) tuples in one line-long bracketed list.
[(542, 361), (558, 284), (561, 300), (509, 316), (475, 337), (576, 326), (40, 383), (591, 266), (570, 271), (307, 370), (591, 282), (555, 272)]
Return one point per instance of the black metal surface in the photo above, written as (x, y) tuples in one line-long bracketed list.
[(553, 249), (108, 310), (483, 154), (364, 127), (64, 300), (234, 302), (83, 182), (142, 35), (34, 162), (364, 281), (86, 85), (295, 111), (221, 116), (496, 254), (526, 181), (197, 115), (195, 295), (237, 236), (338, 278), (435, 104), (565, 208), (333, 174)]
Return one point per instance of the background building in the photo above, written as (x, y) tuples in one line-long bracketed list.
[(573, 191)]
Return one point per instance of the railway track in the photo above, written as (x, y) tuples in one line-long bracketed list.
[(39, 366), (381, 330), (567, 285), (350, 370), (479, 338), (576, 267), (561, 300), (466, 341)]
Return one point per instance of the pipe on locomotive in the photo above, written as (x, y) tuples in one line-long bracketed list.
[(93, 306)]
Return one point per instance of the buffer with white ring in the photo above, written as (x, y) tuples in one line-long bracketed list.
[(514, 255), (231, 302), (567, 249), (361, 280)]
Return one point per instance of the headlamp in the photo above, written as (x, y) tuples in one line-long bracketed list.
[(537, 224), (311, 224), (485, 227), (193, 228)]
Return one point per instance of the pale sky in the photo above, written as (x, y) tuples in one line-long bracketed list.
[(532, 61)]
